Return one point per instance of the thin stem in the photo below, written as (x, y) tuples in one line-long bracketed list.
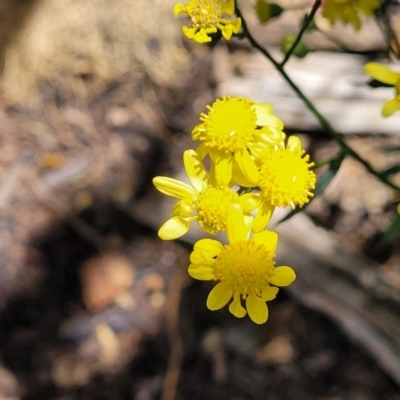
[(321, 119), (306, 23)]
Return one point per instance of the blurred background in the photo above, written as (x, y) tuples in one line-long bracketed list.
[(98, 97)]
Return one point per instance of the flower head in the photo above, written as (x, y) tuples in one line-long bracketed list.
[(245, 269), (285, 180), (384, 74), (207, 17), (348, 11), (204, 201), (233, 129)]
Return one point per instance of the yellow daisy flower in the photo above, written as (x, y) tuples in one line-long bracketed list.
[(204, 201), (232, 130), (384, 74), (207, 17), (348, 11), (245, 269), (285, 180)]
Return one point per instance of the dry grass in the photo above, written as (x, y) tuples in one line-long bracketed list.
[(62, 40)]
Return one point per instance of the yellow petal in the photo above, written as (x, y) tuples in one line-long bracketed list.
[(248, 202), (263, 216), (183, 208), (218, 297), (236, 308), (227, 31), (284, 276), (202, 37), (189, 32), (209, 247), (236, 227), (247, 166), (390, 107), (269, 293), (236, 25), (272, 135), (174, 228), (381, 73), (195, 170), (179, 8), (263, 113), (257, 309), (267, 238), (294, 143), (223, 168), (197, 257), (201, 150), (228, 7), (173, 187), (201, 272)]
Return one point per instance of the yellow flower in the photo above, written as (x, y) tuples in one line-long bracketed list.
[(384, 74), (285, 179), (245, 269), (205, 202), (233, 129), (207, 17), (348, 11)]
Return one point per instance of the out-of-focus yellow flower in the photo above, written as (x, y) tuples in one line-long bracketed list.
[(384, 74), (205, 202), (207, 17), (232, 131), (245, 269), (348, 11), (285, 180)]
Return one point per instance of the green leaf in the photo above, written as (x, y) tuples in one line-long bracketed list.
[(265, 11), (300, 51), (393, 230)]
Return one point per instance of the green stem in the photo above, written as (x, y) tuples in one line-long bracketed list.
[(321, 119), (306, 23)]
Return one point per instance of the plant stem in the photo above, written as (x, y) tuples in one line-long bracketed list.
[(306, 23)]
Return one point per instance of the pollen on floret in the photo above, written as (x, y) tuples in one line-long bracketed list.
[(286, 178), (229, 125), (245, 267), (213, 205)]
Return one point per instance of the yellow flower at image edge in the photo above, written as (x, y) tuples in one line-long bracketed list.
[(234, 129), (207, 17), (205, 202), (384, 74), (245, 269), (285, 180), (348, 11)]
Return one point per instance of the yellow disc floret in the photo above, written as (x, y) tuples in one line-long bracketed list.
[(229, 125), (206, 13), (212, 207), (245, 267), (285, 178)]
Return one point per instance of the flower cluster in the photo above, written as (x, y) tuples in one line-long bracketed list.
[(348, 11), (208, 18), (385, 75), (252, 170)]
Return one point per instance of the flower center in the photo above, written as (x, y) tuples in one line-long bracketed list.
[(213, 206), (246, 267), (229, 125), (285, 178), (206, 13)]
